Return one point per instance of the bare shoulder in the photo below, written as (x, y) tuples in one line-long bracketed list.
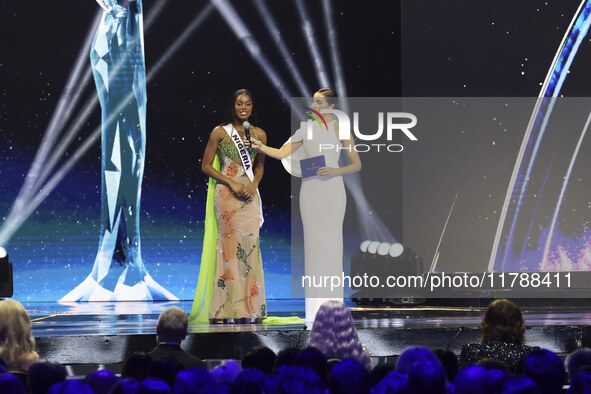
[(261, 133), (217, 133)]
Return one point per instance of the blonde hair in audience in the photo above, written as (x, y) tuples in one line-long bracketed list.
[(16, 339)]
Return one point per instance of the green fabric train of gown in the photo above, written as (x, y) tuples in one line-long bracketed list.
[(200, 312)]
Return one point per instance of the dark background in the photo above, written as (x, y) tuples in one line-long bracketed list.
[(474, 50), (461, 48), (188, 96), (41, 41)]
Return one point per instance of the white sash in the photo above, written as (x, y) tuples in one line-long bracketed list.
[(246, 161)]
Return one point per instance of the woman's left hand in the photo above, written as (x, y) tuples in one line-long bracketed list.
[(248, 191), (327, 171), (254, 143)]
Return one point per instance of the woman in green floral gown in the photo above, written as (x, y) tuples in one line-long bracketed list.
[(231, 280)]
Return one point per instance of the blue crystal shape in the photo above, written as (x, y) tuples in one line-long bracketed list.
[(118, 65)]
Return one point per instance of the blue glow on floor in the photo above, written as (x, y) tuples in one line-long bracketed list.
[(45, 269)]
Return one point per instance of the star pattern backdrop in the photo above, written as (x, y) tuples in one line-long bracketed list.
[(459, 48), (495, 49), (53, 250)]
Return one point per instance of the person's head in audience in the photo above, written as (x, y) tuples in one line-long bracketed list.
[(17, 345), (394, 383), (348, 377), (250, 381), (427, 378), (378, 373), (449, 361), (285, 357), (136, 366), (126, 386), (314, 359), (332, 362), (260, 357), (497, 370), (224, 388), (44, 374), (491, 365), (165, 369), (194, 380), (101, 381), (11, 384), (474, 380), (294, 380), (503, 322), (154, 386), (412, 355), (172, 325), (546, 369), (580, 383), (226, 372), (334, 334), (577, 359), (71, 387), (519, 385)]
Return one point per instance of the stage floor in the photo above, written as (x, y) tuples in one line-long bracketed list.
[(105, 333)]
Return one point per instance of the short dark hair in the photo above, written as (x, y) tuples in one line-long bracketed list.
[(519, 384), (578, 359), (294, 380), (546, 369), (136, 366), (313, 358), (580, 383), (193, 380), (474, 378), (260, 357), (348, 376), (44, 374)]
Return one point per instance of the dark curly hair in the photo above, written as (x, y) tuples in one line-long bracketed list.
[(503, 322)]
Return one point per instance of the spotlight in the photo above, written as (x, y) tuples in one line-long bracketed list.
[(381, 260), (396, 250), (241, 31), (384, 248), (373, 247), (313, 48), (273, 30), (22, 212), (6, 288), (364, 245)]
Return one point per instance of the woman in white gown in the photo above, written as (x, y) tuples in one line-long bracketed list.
[(322, 199)]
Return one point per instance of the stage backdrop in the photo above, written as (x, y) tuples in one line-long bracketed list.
[(194, 62), (498, 183)]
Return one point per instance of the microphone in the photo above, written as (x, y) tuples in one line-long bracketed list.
[(246, 126), (460, 329)]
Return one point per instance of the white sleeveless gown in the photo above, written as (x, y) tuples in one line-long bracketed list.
[(322, 206)]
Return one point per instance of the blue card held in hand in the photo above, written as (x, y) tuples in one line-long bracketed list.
[(311, 165)]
